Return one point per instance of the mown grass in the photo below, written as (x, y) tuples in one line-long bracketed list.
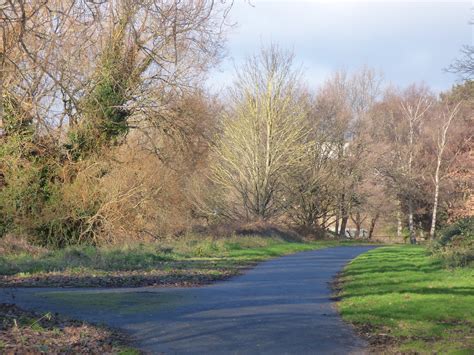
[(212, 257), (403, 292)]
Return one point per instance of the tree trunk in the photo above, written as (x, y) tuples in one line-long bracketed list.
[(399, 222), (358, 224), (322, 224), (344, 218), (435, 202), (336, 226), (441, 145), (342, 231), (411, 226), (373, 221)]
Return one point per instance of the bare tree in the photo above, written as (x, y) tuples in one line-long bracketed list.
[(414, 111), (464, 65), (314, 188), (263, 138), (400, 122), (54, 54), (357, 93), (81, 78), (447, 115)]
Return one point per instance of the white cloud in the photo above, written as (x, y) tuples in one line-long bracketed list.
[(409, 41)]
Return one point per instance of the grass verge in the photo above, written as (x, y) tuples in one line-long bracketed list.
[(186, 262), (26, 332), (402, 299)]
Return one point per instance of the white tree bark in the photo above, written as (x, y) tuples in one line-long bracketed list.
[(414, 113), (448, 116), (399, 223), (411, 226)]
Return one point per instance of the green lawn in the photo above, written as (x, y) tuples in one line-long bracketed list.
[(190, 260), (407, 296)]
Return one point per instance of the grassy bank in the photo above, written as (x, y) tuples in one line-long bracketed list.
[(27, 332), (188, 261), (402, 298)]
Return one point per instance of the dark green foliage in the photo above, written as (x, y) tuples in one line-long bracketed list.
[(25, 182), (110, 97), (104, 114), (43, 192), (16, 143), (35, 201), (460, 92), (462, 228), (5, 223), (456, 243), (61, 232), (16, 121)]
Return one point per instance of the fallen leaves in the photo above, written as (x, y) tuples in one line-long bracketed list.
[(26, 332)]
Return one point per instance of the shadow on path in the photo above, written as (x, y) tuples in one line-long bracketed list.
[(282, 306)]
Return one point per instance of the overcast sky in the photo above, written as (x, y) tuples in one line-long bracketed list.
[(407, 41)]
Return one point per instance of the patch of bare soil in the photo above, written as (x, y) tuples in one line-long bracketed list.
[(26, 332), (379, 341)]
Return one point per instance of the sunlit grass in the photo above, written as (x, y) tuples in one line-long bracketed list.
[(182, 254), (403, 292)]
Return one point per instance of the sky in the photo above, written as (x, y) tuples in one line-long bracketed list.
[(407, 41)]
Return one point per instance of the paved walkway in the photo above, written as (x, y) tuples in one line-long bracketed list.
[(282, 306)]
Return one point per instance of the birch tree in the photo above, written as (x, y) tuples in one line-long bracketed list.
[(413, 110), (401, 118), (447, 116), (263, 137)]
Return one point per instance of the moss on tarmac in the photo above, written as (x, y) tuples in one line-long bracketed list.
[(118, 302)]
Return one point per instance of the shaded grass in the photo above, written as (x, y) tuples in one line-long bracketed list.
[(405, 293), (191, 259)]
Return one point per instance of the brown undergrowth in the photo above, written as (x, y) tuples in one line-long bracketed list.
[(27, 332)]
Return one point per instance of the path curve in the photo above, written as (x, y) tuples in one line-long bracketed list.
[(282, 306)]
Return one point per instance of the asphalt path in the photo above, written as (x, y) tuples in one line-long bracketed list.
[(282, 306)]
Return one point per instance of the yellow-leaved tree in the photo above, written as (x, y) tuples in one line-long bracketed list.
[(263, 139)]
